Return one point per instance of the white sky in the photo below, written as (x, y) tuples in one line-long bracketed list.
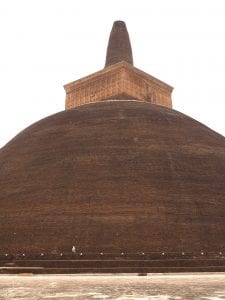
[(45, 44)]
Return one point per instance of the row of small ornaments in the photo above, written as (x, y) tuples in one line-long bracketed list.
[(101, 253)]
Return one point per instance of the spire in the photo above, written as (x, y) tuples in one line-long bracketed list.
[(119, 47)]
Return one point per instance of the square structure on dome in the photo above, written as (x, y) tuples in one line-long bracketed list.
[(120, 81)]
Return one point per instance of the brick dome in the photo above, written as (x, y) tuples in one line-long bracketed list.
[(113, 176)]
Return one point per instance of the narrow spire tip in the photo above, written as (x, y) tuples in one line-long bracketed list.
[(119, 47)]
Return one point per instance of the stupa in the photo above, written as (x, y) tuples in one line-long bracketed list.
[(120, 177)]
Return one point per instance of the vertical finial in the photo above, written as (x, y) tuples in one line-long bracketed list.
[(119, 47)]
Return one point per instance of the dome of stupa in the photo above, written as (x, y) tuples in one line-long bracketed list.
[(114, 175)]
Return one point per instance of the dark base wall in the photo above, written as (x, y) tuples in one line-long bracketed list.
[(106, 264)]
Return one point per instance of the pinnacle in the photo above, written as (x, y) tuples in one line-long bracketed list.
[(119, 47)]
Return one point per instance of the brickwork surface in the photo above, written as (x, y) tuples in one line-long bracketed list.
[(114, 176)]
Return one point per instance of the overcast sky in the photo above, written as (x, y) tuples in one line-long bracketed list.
[(45, 44)]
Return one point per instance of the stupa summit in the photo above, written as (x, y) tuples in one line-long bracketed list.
[(132, 183)]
